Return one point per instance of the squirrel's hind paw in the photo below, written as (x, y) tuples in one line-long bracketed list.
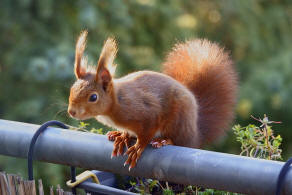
[(159, 142)]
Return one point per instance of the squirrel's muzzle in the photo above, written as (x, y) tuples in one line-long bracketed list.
[(71, 112)]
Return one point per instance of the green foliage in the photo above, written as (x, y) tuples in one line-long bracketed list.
[(81, 127), (143, 187), (168, 192), (259, 141), (150, 186), (84, 127)]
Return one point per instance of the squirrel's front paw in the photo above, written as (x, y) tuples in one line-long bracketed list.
[(120, 142), (134, 153), (111, 135)]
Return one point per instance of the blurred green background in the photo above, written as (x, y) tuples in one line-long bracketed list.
[(37, 43)]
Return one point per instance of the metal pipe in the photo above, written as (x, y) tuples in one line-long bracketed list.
[(170, 163), (103, 189)]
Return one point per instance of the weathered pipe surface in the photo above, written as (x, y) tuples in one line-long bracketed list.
[(170, 163)]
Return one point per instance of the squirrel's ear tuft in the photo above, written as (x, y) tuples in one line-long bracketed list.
[(106, 67), (107, 56), (79, 68)]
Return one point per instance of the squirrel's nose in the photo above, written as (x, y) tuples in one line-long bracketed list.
[(72, 112)]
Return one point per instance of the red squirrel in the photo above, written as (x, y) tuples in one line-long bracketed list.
[(189, 104)]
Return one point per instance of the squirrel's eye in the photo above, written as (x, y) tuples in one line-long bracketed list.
[(93, 97)]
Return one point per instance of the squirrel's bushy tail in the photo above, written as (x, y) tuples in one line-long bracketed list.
[(207, 70)]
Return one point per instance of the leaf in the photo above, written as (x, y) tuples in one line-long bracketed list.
[(132, 183), (152, 184), (83, 125), (168, 192)]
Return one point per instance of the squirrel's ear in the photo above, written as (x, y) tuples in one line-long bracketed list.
[(106, 67), (80, 70)]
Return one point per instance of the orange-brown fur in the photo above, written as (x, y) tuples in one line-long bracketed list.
[(207, 70), (148, 104)]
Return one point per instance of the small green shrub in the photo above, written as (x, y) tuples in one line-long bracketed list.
[(259, 141)]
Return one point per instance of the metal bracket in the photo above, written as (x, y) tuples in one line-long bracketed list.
[(82, 177)]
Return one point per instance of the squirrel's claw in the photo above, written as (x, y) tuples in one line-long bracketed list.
[(113, 155), (134, 153), (159, 142), (120, 142)]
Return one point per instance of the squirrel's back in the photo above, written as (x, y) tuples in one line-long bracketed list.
[(206, 70)]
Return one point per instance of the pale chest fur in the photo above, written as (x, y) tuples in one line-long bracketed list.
[(110, 123)]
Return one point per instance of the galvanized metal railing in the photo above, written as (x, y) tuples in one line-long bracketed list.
[(170, 163)]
